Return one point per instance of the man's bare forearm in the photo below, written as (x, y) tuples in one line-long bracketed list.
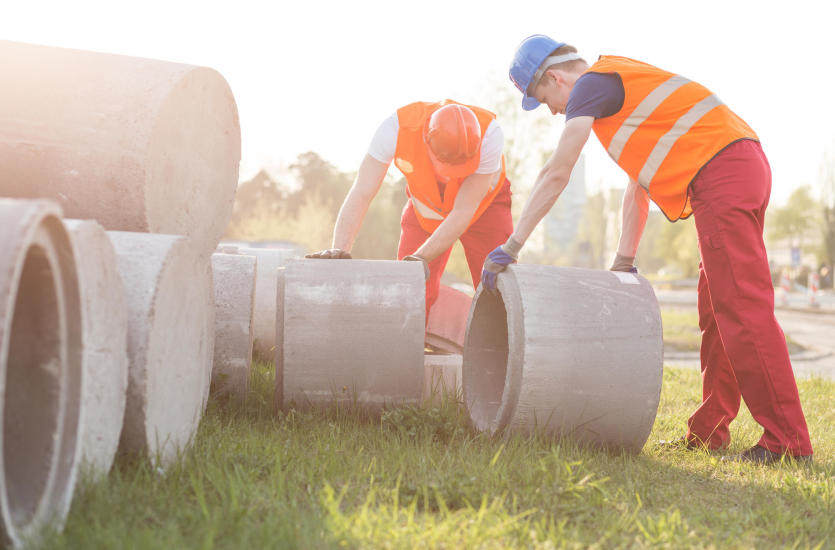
[(355, 207), (634, 214)]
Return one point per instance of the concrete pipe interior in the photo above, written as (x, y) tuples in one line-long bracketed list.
[(31, 408), (486, 360)]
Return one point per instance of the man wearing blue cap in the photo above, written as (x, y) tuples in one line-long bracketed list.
[(685, 150)]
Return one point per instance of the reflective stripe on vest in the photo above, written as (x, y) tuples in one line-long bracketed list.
[(641, 112), (425, 210), (666, 130), (682, 125)]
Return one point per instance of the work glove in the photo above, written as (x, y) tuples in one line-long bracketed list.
[(330, 254), (624, 263), (497, 261), (416, 258)]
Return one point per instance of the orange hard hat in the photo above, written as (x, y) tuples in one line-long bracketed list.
[(453, 137)]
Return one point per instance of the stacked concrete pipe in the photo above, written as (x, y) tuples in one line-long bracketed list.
[(350, 332), (136, 144), (269, 260), (234, 282), (565, 351), (104, 334), (170, 341), (40, 369)]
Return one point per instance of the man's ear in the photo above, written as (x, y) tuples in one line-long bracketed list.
[(557, 76)]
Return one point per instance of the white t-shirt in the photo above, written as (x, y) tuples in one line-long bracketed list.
[(384, 144)]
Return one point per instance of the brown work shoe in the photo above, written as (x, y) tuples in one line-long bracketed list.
[(760, 455)]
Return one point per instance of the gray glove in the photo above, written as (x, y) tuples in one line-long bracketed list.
[(330, 254), (416, 258), (624, 263)]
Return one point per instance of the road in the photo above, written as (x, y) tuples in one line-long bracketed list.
[(812, 328)]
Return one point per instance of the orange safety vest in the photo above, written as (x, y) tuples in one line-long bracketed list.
[(412, 158), (668, 128)]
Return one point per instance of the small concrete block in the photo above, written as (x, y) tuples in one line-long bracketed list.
[(263, 316), (234, 280), (441, 376)]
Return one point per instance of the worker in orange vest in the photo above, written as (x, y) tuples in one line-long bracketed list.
[(451, 157), (690, 154)]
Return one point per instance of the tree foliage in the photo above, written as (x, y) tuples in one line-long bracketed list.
[(303, 204), (796, 219)]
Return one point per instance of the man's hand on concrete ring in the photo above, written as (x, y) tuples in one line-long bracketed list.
[(330, 254), (416, 258), (497, 261)]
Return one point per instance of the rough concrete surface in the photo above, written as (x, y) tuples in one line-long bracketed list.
[(350, 331), (40, 370), (136, 144), (170, 300), (447, 323), (234, 281), (441, 376), (104, 334), (568, 351), (263, 316)]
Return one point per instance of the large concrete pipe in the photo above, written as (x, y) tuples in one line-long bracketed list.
[(234, 280), (137, 144), (170, 341), (40, 369), (447, 323), (566, 351), (350, 331), (104, 334), (263, 316)]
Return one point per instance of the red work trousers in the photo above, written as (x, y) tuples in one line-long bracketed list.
[(490, 230), (744, 351)]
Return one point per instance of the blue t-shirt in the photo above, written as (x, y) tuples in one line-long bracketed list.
[(595, 94)]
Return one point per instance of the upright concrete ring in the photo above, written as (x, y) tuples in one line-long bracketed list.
[(234, 280), (105, 333), (136, 144), (264, 314), (40, 369), (350, 332), (565, 351), (170, 341)]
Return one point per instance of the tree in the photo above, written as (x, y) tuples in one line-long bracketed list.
[(303, 209), (794, 221)]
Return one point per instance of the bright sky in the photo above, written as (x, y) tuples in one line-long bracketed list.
[(321, 75)]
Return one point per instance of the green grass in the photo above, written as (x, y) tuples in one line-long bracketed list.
[(420, 478)]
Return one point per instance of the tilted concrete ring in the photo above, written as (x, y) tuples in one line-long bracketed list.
[(565, 351)]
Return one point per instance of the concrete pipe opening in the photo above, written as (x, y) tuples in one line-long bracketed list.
[(565, 352), (33, 381), (40, 369), (487, 353)]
